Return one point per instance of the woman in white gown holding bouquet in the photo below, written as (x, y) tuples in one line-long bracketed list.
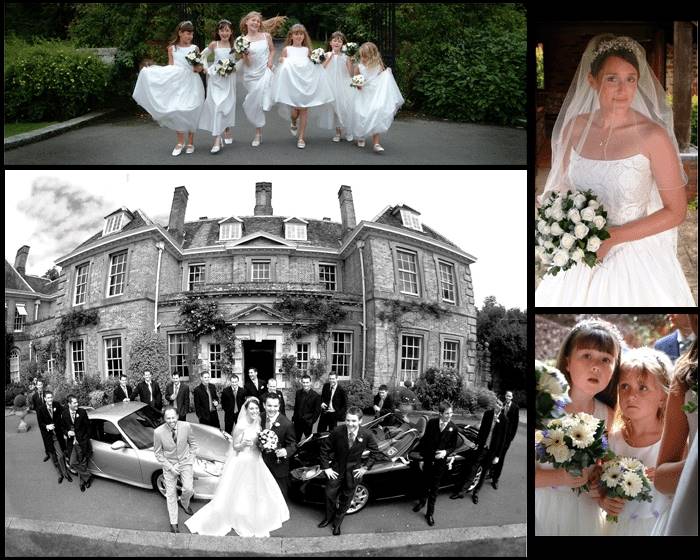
[(614, 136), (247, 499)]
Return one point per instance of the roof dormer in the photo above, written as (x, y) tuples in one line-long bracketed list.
[(295, 229), (116, 221), (411, 218), (230, 229)]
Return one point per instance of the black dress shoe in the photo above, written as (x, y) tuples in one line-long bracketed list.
[(457, 495), (68, 478), (173, 528), (494, 483), (88, 483), (475, 498), (60, 479), (336, 530), (187, 510), (419, 506), (429, 519), (324, 523), (46, 458), (82, 486)]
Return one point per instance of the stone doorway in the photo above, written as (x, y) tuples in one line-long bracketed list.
[(259, 355)]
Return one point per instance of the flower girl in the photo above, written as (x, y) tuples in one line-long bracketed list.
[(299, 83), (645, 376), (377, 100), (339, 69), (589, 358), (174, 94), (219, 113)]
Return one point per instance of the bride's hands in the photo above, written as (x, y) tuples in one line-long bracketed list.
[(607, 245)]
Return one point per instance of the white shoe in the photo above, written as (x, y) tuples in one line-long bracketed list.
[(177, 150), (293, 129), (336, 138), (256, 141), (228, 141), (378, 148), (216, 148), (189, 149), (349, 138), (301, 144), (361, 143)]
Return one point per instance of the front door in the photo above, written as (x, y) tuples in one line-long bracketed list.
[(259, 355)]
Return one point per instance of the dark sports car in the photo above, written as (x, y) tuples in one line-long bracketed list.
[(397, 471)]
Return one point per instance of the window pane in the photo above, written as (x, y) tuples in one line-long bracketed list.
[(410, 357), (326, 274), (450, 353), (78, 360), (81, 280), (261, 271), (447, 283), (341, 360), (19, 320), (408, 277), (14, 365), (179, 349), (113, 356), (303, 356), (230, 231), (117, 274), (215, 361), (196, 276)]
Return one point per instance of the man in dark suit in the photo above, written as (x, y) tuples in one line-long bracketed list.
[(206, 402), (37, 401), (341, 459), (333, 404), (383, 403), (509, 419), (483, 457), (122, 392), (436, 445), (676, 343), (278, 462), (178, 396), (254, 387), (76, 427), (307, 407), (49, 417), (272, 389), (148, 392), (232, 399)]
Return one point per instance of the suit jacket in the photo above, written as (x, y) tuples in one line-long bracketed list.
[(168, 453), (201, 401), (286, 438), (281, 397), (81, 427), (499, 436), (227, 399), (388, 405), (669, 345), (434, 440), (37, 401), (119, 394), (43, 418), (142, 393), (251, 390), (512, 420), (307, 408), (182, 400), (340, 401), (336, 454)]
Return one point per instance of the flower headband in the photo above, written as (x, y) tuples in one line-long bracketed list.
[(619, 43)]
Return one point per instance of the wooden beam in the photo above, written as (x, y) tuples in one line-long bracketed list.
[(682, 78)]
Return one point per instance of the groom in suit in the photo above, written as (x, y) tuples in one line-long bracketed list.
[(49, 417), (278, 462), (341, 459), (175, 448), (178, 395), (76, 430), (675, 344), (509, 419)]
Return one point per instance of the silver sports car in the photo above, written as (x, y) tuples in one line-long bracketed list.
[(122, 442)]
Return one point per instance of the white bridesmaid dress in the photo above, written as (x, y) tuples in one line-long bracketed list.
[(219, 112), (339, 79), (257, 78), (173, 95), (376, 104)]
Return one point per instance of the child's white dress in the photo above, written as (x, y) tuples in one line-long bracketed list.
[(219, 112), (376, 104), (339, 79), (257, 78)]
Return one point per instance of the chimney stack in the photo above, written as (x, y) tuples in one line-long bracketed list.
[(263, 199), (347, 207), (176, 224), (21, 259)]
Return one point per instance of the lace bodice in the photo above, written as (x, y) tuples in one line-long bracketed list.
[(623, 186)]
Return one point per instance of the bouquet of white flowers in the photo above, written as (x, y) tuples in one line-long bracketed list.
[(194, 58), (318, 56), (624, 477), (572, 442), (267, 441), (351, 49), (225, 67), (552, 394), (241, 46), (357, 81), (569, 230)]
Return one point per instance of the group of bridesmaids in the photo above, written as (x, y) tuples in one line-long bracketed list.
[(646, 420), (174, 95)]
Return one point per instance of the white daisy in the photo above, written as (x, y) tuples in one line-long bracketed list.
[(581, 436), (630, 464), (631, 484), (538, 436), (612, 476)]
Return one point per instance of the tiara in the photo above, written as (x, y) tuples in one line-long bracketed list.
[(619, 43)]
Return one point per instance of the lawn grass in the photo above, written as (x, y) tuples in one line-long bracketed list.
[(18, 128)]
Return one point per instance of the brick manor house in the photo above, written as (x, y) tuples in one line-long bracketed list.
[(136, 273)]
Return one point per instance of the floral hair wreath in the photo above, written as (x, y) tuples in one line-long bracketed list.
[(599, 323), (619, 43)]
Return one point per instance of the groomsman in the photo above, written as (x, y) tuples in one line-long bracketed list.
[(509, 417), (675, 344), (383, 403), (436, 445), (253, 386), (76, 426), (483, 457), (271, 389), (49, 417), (333, 404), (122, 392), (307, 407), (37, 401), (148, 392), (178, 396), (341, 459), (232, 399), (206, 402)]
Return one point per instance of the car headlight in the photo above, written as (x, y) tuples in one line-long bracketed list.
[(213, 468), (306, 473)]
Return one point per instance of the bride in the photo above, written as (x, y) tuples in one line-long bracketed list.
[(614, 136), (247, 499)]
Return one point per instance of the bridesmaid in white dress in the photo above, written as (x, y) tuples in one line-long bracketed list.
[(377, 102), (339, 69), (645, 376), (247, 499), (300, 84), (219, 113), (174, 94), (589, 358)]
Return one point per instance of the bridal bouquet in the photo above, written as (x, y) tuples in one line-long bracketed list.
[(241, 46), (572, 442), (194, 58), (625, 478), (692, 404), (570, 229), (225, 67), (552, 394), (351, 49), (318, 56), (267, 441), (357, 81)]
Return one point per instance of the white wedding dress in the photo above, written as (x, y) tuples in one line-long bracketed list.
[(339, 79), (247, 499), (377, 103), (219, 112), (173, 94), (639, 273), (257, 79)]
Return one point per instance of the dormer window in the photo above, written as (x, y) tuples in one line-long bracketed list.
[(411, 220), (295, 229), (116, 221), (230, 229)]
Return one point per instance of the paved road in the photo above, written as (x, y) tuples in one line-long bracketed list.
[(31, 492), (136, 140)]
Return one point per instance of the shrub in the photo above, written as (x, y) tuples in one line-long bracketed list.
[(485, 398), (359, 393), (149, 351), (97, 398), (13, 390), (48, 80), (19, 402), (468, 399), (84, 389), (436, 385)]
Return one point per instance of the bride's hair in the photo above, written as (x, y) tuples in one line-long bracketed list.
[(686, 373), (611, 45)]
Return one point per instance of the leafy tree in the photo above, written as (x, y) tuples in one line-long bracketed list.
[(51, 274), (149, 351)]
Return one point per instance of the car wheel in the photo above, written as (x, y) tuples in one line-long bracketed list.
[(359, 500), (158, 481), (475, 480)]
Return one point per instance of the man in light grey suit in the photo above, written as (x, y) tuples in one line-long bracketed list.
[(175, 448)]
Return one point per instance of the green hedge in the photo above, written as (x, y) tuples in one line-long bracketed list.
[(52, 81), (436, 385)]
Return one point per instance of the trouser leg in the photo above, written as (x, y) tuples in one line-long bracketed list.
[(171, 495), (187, 478), (332, 489), (347, 492), (79, 462), (435, 476), (59, 459)]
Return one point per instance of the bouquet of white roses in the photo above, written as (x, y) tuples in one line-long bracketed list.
[(573, 443), (318, 56), (225, 67), (241, 46), (267, 441), (552, 394), (357, 81), (351, 49), (569, 230), (624, 477), (194, 58)]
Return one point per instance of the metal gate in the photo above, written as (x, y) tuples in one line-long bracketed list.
[(384, 32)]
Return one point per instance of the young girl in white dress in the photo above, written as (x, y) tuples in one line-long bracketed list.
[(174, 94), (589, 358), (645, 376), (300, 84), (339, 69), (257, 71), (219, 112), (247, 498), (377, 102)]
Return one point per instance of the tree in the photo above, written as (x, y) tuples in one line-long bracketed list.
[(51, 274), (149, 351)]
